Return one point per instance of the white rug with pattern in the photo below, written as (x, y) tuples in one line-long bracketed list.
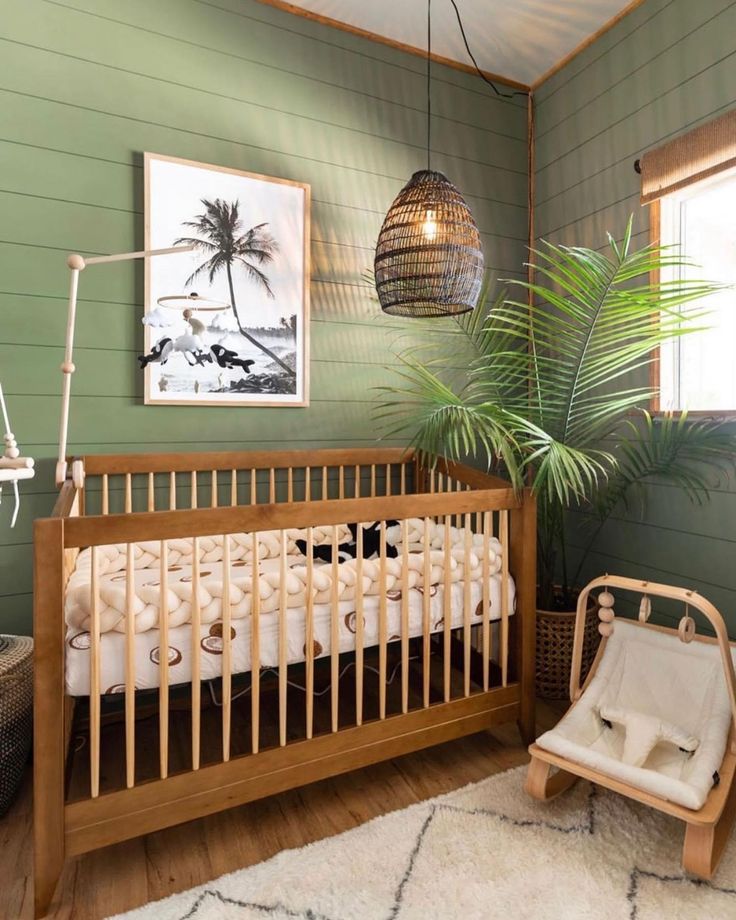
[(486, 851)]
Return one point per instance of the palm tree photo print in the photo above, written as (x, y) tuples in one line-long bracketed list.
[(226, 321)]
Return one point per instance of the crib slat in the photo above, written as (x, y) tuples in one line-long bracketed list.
[(255, 646), (325, 494), (334, 634), (227, 645), (193, 491), (105, 494), (290, 484), (382, 622), (271, 485), (163, 664), (128, 493), (403, 479), (282, 641), (233, 488), (172, 491), (151, 506), (373, 480), (467, 545), (94, 678), (341, 481), (213, 489), (309, 633), (432, 480), (504, 538), (486, 600), (196, 670), (357, 481), (426, 599), (447, 612), (129, 669), (307, 484), (388, 479), (253, 488), (459, 517), (359, 626), (404, 614)]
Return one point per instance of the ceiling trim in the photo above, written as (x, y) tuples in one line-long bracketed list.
[(607, 26), (392, 43)]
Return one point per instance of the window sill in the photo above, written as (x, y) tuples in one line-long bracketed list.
[(725, 415)]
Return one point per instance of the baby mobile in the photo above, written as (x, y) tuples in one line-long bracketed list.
[(193, 343)]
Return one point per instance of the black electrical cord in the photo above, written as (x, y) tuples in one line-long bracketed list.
[(493, 86), (429, 79)]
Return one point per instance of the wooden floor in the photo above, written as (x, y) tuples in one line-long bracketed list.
[(130, 874)]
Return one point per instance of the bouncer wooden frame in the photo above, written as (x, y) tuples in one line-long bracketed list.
[(260, 489), (707, 830)]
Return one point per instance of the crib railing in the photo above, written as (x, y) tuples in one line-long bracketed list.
[(456, 676), (145, 482)]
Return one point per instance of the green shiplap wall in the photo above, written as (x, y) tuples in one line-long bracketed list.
[(666, 67), (87, 85)]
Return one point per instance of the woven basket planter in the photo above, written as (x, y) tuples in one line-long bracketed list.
[(16, 709), (555, 636)]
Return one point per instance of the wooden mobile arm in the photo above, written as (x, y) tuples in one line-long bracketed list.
[(77, 264), (671, 592)]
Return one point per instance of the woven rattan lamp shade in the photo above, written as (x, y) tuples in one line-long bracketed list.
[(428, 257)]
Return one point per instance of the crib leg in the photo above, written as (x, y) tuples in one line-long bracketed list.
[(543, 786), (51, 715), (704, 844)]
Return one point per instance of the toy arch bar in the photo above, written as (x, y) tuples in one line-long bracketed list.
[(77, 264), (650, 588)]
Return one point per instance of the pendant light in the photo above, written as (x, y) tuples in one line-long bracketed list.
[(428, 257)]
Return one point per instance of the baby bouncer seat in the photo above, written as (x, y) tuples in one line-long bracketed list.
[(654, 721)]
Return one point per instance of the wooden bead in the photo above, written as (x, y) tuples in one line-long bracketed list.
[(606, 615), (606, 599), (605, 629), (686, 629), (75, 261), (68, 367)]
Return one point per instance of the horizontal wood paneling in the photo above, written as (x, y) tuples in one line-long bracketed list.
[(87, 85), (667, 66)]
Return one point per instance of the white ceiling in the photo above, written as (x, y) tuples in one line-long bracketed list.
[(521, 39)]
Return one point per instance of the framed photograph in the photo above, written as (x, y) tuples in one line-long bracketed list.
[(226, 323)]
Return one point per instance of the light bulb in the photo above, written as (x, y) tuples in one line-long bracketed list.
[(429, 227)]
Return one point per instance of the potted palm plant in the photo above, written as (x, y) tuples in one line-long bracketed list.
[(537, 386)]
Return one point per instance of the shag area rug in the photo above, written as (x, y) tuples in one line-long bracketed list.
[(485, 851)]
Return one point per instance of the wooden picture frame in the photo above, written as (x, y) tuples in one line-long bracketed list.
[(263, 354)]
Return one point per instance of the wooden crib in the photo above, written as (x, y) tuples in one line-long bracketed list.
[(453, 681)]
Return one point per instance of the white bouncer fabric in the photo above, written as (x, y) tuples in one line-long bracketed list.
[(651, 673)]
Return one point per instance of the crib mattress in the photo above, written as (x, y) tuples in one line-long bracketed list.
[(209, 642)]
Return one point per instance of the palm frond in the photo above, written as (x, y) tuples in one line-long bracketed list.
[(440, 423), (683, 452)]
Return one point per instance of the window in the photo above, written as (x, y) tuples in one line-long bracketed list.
[(698, 371)]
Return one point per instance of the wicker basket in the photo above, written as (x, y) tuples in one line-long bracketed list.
[(16, 708), (555, 635)]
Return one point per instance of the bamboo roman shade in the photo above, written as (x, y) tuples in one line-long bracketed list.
[(702, 152)]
